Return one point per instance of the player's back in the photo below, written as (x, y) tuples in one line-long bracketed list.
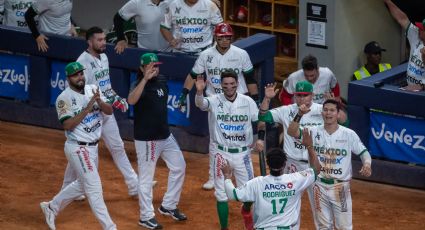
[(278, 199)]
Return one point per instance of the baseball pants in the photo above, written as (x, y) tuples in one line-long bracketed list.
[(333, 201), (83, 161), (115, 145), (211, 156), (293, 166), (241, 165), (148, 153)]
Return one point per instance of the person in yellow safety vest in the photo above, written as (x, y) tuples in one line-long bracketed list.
[(373, 65)]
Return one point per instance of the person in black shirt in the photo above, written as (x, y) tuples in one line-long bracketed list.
[(153, 139)]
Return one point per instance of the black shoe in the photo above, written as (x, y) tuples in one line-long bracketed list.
[(151, 224), (175, 214)]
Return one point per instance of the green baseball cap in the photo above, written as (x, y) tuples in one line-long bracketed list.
[(73, 68), (303, 87), (148, 58)]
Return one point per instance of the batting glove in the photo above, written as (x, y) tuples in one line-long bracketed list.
[(120, 103), (182, 103)]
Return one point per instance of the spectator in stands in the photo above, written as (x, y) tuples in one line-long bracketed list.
[(188, 25), (323, 80), (54, 16), (416, 35), (12, 12), (148, 15), (373, 64)]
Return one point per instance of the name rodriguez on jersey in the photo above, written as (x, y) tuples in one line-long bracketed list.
[(274, 194)]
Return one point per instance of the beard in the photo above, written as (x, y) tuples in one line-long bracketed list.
[(79, 85)]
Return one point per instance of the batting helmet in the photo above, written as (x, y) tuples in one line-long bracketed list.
[(223, 29)]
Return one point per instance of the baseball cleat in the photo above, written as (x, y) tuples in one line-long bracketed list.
[(48, 213), (150, 224), (80, 198), (209, 185), (175, 214)]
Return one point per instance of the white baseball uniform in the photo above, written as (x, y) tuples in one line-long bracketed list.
[(332, 189), (54, 16), (231, 136), (212, 63), (81, 151), (14, 12), (193, 25), (296, 152), (416, 66), (277, 199), (148, 17), (97, 72), (324, 83)]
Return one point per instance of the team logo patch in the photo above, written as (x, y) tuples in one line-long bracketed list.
[(61, 104), (160, 92), (93, 66), (317, 137), (74, 102), (209, 59), (177, 10)]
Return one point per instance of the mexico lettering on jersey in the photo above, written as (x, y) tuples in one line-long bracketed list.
[(14, 13), (192, 25), (277, 199), (334, 151), (230, 122), (324, 83), (70, 103), (212, 63), (97, 72), (284, 115), (54, 16), (416, 66)]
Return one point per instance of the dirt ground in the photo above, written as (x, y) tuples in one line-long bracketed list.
[(32, 164)]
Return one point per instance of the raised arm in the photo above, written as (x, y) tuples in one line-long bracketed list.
[(397, 14), (270, 92), (135, 94), (200, 101), (294, 126), (312, 156)]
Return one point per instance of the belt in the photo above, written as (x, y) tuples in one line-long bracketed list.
[(330, 180), (84, 143), (304, 161), (277, 228), (232, 150)]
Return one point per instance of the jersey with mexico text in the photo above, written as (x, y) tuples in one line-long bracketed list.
[(194, 25), (230, 122), (416, 66), (284, 115), (324, 83), (14, 12), (54, 16), (212, 63), (97, 72), (70, 103), (334, 151), (148, 17), (277, 199)]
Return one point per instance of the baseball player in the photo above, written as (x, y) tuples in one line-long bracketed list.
[(230, 117), (54, 16), (148, 16), (13, 12), (334, 145), (296, 152), (276, 197), (80, 109), (211, 62), (416, 35), (96, 72), (153, 139), (188, 25), (322, 78)]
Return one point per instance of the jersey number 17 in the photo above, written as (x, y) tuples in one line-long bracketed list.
[(275, 203)]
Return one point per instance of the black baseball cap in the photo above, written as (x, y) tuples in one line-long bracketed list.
[(373, 47)]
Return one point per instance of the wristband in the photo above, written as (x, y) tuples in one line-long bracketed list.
[(261, 135), (185, 91), (297, 118)]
